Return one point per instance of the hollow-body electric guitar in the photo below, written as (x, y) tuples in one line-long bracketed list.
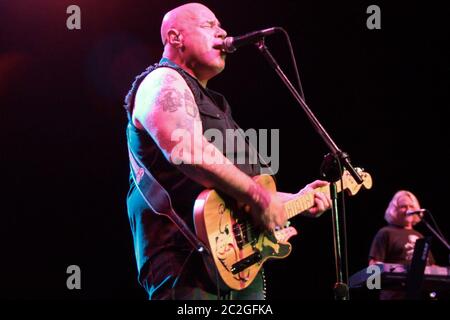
[(238, 249)]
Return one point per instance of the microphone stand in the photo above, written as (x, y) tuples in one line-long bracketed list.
[(331, 169), (441, 238)]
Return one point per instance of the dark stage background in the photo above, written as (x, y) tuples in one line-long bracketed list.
[(381, 94)]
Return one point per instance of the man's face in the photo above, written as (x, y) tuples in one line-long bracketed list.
[(405, 204), (202, 40)]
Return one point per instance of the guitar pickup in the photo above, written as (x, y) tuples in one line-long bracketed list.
[(239, 235), (246, 262)]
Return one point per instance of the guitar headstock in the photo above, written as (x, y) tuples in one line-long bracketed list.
[(352, 186)]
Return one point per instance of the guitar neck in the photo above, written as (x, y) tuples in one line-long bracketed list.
[(305, 201)]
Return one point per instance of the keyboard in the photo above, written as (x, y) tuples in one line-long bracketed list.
[(392, 274)]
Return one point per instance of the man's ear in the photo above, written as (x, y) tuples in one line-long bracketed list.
[(175, 38)]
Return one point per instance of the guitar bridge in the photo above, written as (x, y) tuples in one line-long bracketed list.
[(246, 262)]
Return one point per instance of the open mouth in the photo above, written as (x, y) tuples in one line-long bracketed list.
[(219, 46)]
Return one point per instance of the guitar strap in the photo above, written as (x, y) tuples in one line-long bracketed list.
[(262, 161), (157, 198)]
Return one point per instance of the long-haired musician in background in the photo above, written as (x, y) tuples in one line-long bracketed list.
[(395, 242)]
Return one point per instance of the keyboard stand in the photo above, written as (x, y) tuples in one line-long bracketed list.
[(414, 279)]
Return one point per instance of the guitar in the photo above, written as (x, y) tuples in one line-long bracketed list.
[(238, 249)]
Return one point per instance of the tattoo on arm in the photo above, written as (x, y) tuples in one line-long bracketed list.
[(190, 104), (170, 100), (167, 79)]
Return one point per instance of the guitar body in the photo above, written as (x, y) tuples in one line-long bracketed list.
[(238, 249)]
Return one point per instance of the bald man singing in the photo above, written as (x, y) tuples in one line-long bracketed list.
[(172, 97)]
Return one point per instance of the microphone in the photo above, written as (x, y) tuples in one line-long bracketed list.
[(419, 212), (230, 44)]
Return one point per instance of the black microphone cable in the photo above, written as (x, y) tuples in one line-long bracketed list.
[(344, 220), (294, 63), (436, 225)]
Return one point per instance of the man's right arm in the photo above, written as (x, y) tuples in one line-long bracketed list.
[(165, 107)]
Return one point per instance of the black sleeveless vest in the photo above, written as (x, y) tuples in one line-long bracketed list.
[(155, 237)]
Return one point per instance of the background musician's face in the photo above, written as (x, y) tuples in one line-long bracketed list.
[(405, 204)]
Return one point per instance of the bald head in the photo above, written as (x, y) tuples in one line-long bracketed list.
[(180, 17), (192, 38)]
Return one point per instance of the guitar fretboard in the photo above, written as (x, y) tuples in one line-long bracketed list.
[(305, 201)]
